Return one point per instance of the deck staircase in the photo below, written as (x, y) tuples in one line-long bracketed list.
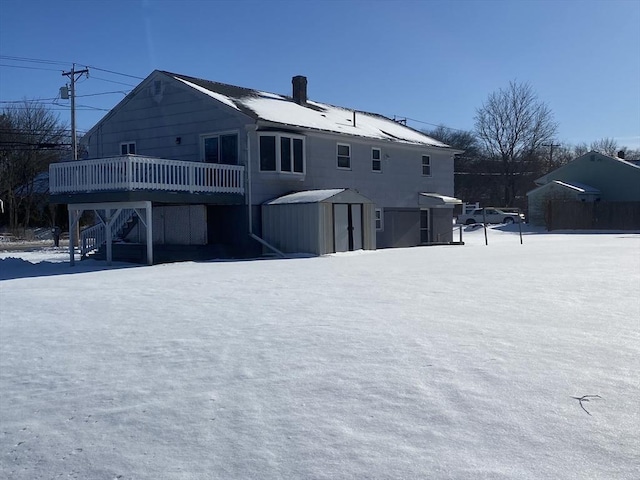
[(94, 238)]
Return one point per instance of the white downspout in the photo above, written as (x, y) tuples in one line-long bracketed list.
[(254, 128), (249, 198)]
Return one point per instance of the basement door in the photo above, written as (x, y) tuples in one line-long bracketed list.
[(347, 227)]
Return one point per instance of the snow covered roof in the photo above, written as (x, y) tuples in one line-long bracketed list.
[(309, 196), (333, 195), (436, 200), (284, 110), (579, 187)]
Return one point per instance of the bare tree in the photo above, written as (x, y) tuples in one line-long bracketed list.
[(606, 146), (474, 176), (31, 137), (513, 125)]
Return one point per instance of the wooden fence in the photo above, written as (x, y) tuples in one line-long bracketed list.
[(577, 215)]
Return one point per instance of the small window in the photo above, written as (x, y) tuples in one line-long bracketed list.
[(376, 160), (344, 156), (128, 148), (220, 149), (379, 219), (268, 153), (426, 165), (285, 154), (298, 155)]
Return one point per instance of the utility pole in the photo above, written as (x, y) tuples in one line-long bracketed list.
[(551, 145), (74, 75)]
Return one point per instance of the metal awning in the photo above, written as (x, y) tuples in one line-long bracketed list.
[(435, 200)]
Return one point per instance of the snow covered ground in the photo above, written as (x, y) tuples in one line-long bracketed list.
[(461, 362)]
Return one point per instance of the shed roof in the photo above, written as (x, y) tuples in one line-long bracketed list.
[(334, 195), (435, 200)]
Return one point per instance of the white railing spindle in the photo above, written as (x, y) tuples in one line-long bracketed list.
[(132, 172)]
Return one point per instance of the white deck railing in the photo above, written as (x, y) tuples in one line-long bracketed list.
[(132, 172)]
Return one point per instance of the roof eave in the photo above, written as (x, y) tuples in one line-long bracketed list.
[(272, 124)]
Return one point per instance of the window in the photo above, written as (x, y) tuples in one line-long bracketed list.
[(344, 156), (220, 149), (281, 152), (376, 160), (426, 165), (379, 219), (128, 148)]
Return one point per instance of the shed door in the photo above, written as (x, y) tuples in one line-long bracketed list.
[(347, 227)]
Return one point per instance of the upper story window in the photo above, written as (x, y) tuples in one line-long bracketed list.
[(376, 160), (379, 219), (344, 156), (426, 165), (282, 152), (128, 148), (222, 148)]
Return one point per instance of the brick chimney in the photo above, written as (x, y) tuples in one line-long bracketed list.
[(621, 154), (299, 89)]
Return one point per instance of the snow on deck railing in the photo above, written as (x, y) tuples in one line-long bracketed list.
[(132, 172)]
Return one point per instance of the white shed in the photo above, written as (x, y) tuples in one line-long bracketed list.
[(319, 222)]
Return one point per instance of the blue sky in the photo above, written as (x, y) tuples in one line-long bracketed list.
[(433, 62)]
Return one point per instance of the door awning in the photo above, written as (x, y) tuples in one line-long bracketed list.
[(435, 200)]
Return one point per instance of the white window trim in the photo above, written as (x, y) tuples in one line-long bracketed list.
[(350, 155), (278, 136), (204, 136), (128, 144), (379, 159), (379, 220), (422, 165)]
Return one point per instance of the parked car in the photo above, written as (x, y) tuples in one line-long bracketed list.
[(492, 215)]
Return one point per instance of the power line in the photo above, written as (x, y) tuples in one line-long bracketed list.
[(112, 81), (30, 68), (32, 60), (115, 73), (103, 93), (436, 125)]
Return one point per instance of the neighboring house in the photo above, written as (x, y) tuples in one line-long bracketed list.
[(590, 178), (196, 160)]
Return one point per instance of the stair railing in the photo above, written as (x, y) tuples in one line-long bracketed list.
[(92, 238)]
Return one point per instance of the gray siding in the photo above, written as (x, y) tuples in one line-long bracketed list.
[(293, 228), (401, 228), (441, 225), (155, 122), (395, 189), (396, 186)]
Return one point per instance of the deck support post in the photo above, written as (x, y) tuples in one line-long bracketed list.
[(74, 217)]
